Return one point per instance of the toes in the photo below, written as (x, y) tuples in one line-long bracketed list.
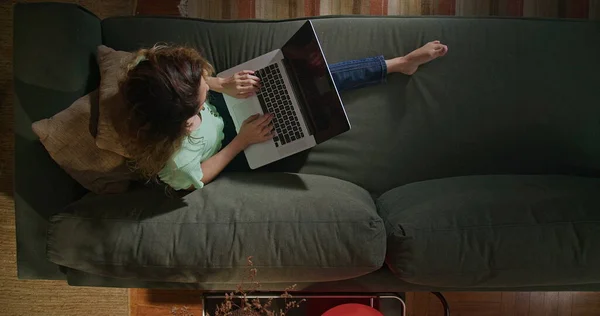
[(444, 50), (440, 50)]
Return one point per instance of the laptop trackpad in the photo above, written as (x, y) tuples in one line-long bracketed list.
[(244, 110), (293, 148)]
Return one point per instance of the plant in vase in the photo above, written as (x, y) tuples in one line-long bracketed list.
[(241, 303)]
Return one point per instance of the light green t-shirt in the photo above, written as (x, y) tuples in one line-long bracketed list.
[(183, 169)]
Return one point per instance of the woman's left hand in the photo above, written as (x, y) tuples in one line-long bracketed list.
[(241, 85)]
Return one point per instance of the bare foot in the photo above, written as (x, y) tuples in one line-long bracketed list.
[(410, 63)]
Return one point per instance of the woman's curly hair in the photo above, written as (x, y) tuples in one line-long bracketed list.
[(161, 90)]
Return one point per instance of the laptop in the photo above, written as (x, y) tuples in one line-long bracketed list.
[(298, 89)]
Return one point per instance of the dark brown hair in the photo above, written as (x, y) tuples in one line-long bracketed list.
[(161, 89)]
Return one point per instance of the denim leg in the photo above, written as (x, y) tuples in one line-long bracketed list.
[(354, 74)]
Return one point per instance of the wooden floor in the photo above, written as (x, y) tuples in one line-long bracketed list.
[(161, 303), (507, 304)]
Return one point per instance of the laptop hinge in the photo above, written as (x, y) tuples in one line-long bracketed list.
[(301, 98)]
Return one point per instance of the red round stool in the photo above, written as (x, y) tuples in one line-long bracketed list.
[(352, 310)]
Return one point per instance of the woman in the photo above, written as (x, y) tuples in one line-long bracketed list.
[(173, 133)]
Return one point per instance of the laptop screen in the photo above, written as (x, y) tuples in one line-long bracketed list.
[(309, 72)]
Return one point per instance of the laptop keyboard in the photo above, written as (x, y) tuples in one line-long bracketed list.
[(274, 98)]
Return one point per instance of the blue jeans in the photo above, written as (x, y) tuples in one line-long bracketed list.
[(354, 74)]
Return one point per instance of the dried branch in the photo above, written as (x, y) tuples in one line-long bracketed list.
[(248, 306)]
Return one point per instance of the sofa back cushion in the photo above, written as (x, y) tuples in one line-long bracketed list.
[(298, 228), (494, 231), (511, 96)]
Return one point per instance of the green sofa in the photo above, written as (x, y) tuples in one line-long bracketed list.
[(480, 172)]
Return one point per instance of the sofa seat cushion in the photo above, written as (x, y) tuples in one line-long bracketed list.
[(298, 228), (494, 231)]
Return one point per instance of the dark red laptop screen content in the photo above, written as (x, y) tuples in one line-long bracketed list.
[(303, 55)]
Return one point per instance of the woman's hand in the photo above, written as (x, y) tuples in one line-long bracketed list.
[(256, 129), (241, 85)]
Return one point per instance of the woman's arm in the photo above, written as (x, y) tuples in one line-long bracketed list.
[(255, 129), (215, 83), (241, 85), (212, 166)]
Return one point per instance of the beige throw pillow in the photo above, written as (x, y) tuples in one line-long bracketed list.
[(68, 138), (113, 65)]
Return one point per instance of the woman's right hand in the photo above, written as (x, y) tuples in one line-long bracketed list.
[(256, 129)]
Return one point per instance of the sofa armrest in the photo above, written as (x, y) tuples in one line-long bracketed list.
[(54, 64), (298, 228)]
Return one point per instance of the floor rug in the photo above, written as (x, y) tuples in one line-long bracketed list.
[(284, 9)]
